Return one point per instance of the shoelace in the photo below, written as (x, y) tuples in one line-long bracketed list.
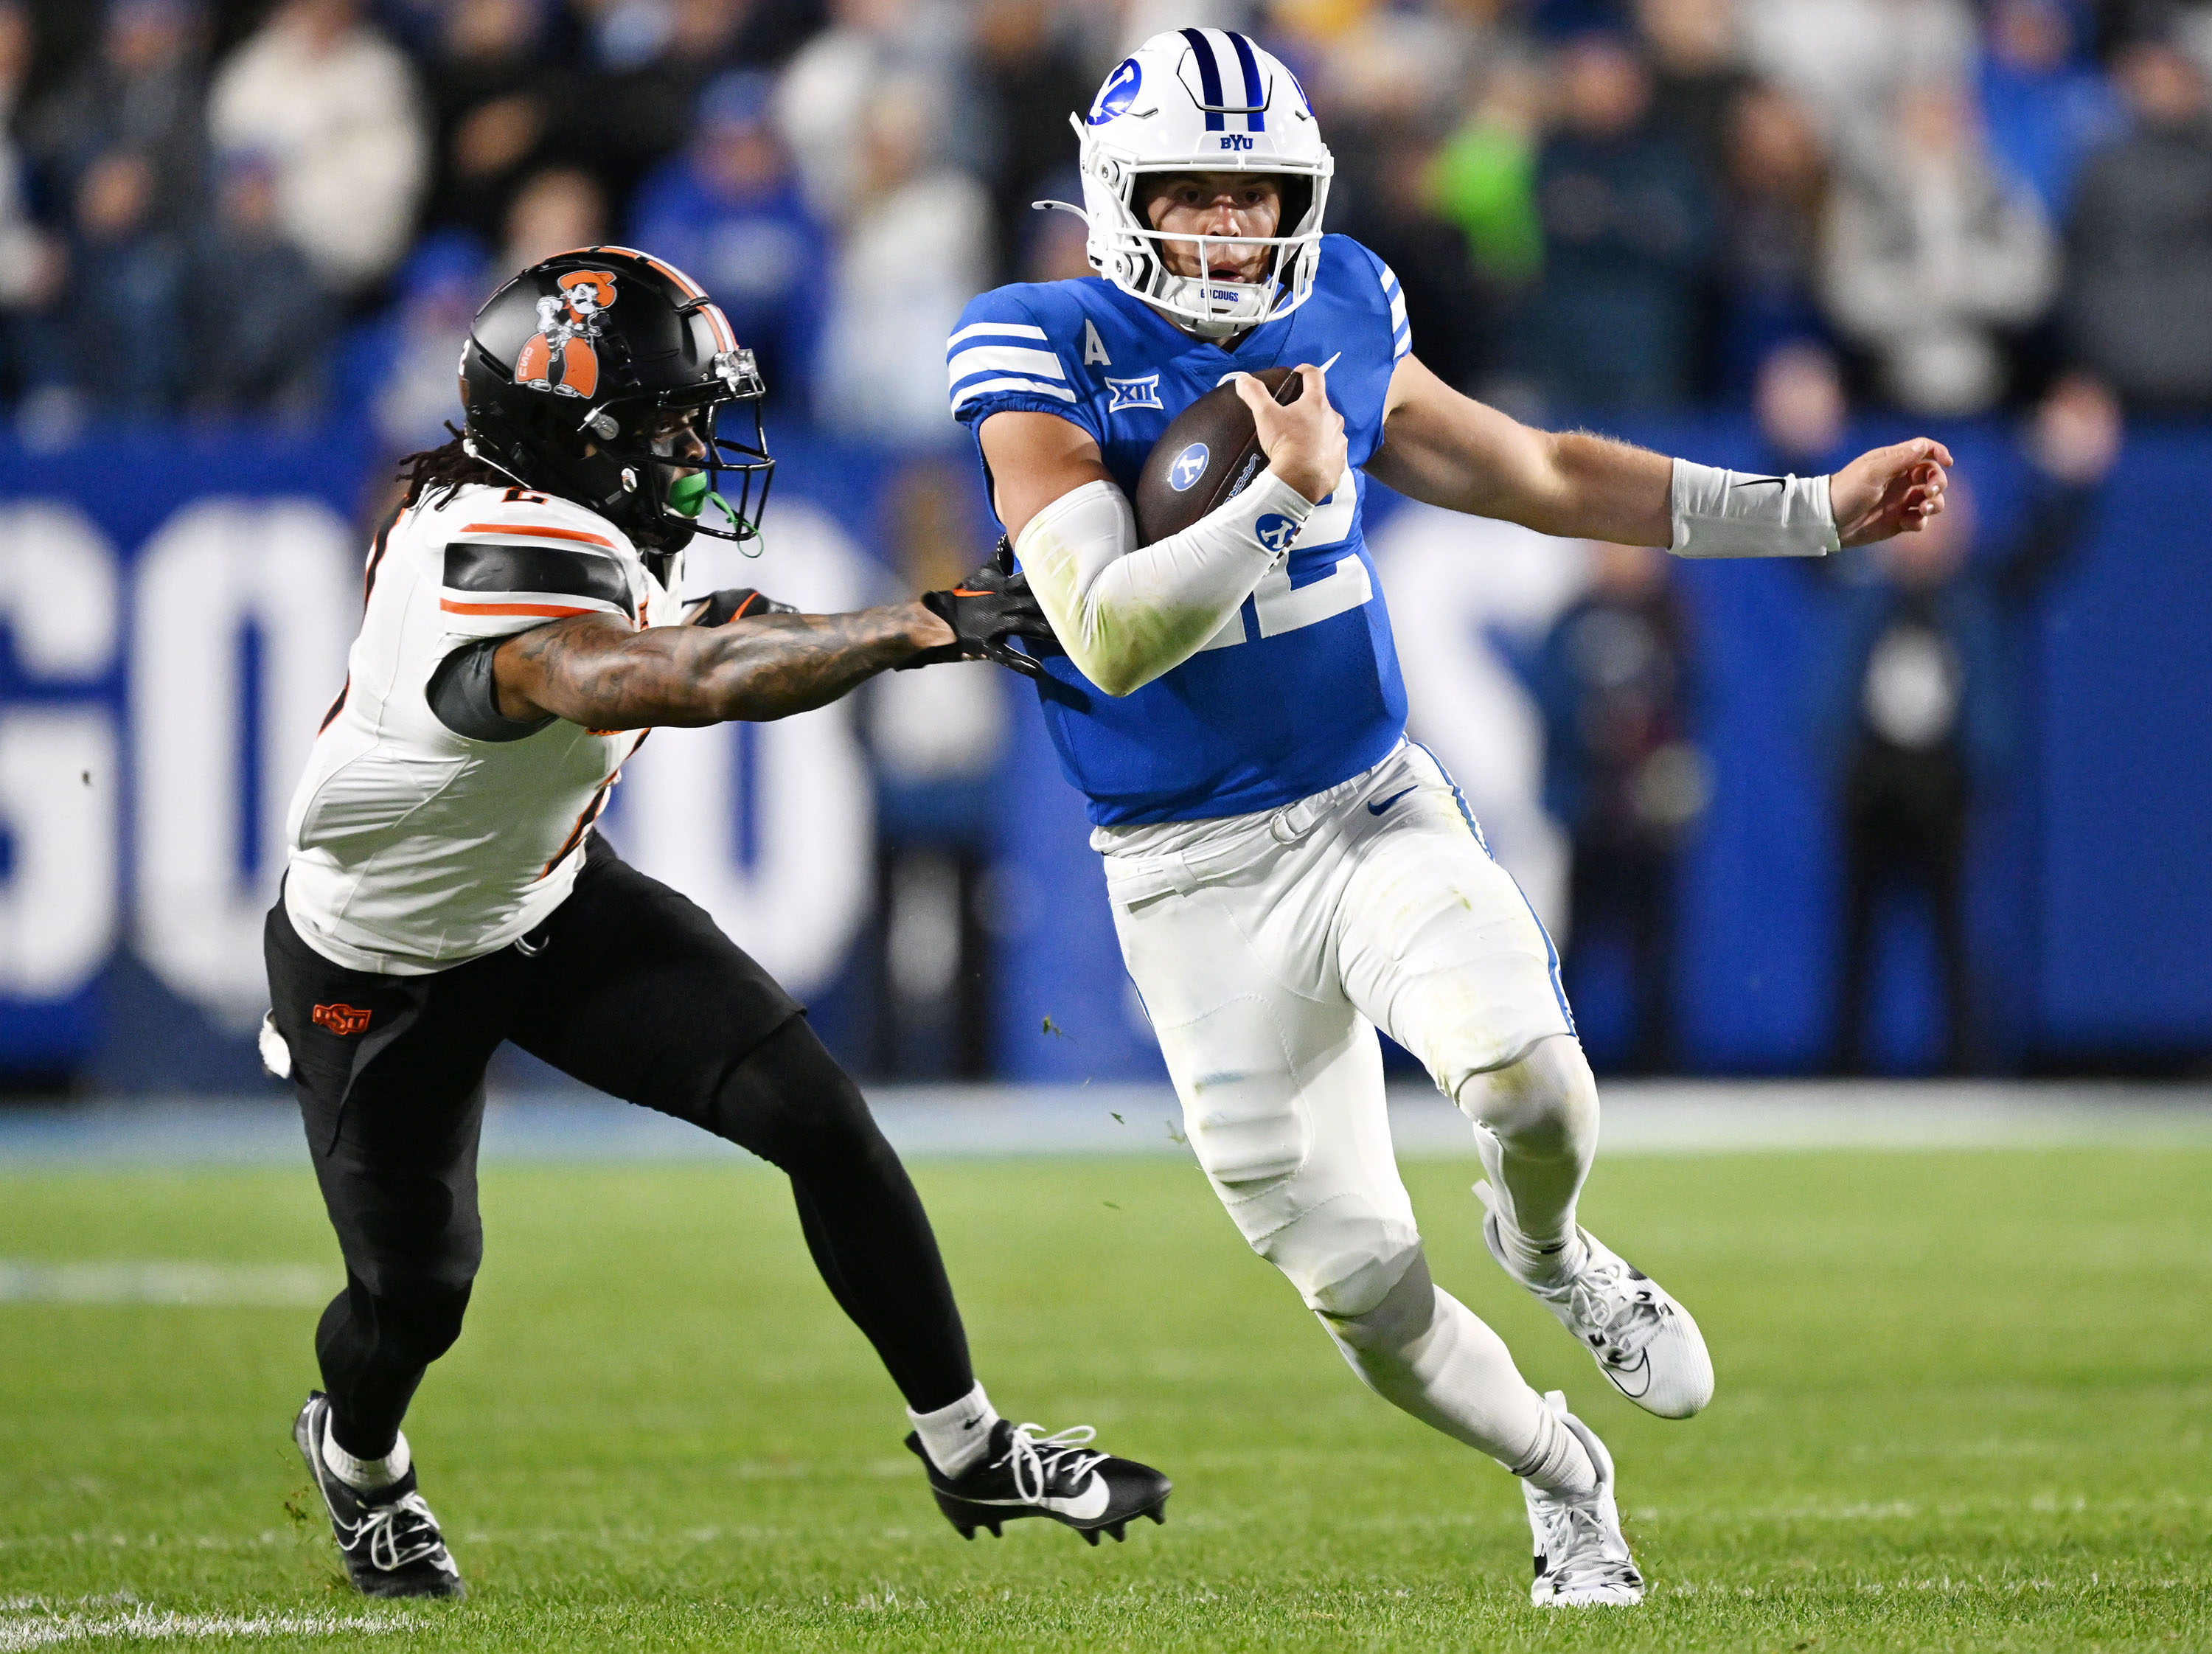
[(1626, 1316), (1037, 1455), (401, 1532), (1574, 1541)]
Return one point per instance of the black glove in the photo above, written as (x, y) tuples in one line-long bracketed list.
[(737, 603), (986, 610)]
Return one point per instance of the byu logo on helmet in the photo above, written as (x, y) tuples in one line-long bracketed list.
[(1119, 92), (1188, 467), (1276, 531)]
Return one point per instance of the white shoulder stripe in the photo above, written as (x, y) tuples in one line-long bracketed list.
[(1034, 386), (1001, 358), (470, 602), (1004, 330), (1397, 313), (1390, 280)]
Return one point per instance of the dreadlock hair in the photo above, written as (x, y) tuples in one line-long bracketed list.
[(449, 466)]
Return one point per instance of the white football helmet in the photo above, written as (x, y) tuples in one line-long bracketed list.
[(1203, 100)]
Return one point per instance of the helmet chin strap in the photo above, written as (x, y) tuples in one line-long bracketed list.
[(1213, 330), (469, 447)]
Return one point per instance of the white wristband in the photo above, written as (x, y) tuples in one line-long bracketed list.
[(1729, 514)]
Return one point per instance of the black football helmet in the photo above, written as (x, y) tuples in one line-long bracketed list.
[(606, 377)]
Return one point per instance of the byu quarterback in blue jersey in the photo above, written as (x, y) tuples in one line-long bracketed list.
[(1287, 875), (1302, 689)]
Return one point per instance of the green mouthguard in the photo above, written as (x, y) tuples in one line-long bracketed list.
[(688, 493), (689, 496)]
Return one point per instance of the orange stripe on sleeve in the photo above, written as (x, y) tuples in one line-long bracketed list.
[(543, 533), (552, 611)]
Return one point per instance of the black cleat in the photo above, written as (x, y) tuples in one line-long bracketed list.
[(389, 1539), (1026, 1473)]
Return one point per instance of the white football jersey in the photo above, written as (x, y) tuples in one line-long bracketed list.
[(414, 849)]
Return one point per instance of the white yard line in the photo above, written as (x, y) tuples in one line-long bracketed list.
[(268, 1286), (46, 1631)]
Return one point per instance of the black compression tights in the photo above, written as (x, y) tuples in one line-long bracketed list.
[(790, 1104)]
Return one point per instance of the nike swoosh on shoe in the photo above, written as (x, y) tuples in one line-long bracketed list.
[(1091, 1502), (1640, 1374)]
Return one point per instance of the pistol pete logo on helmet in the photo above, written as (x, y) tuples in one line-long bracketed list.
[(560, 356)]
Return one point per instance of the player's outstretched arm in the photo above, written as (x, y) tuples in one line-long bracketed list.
[(1450, 450), (593, 670)]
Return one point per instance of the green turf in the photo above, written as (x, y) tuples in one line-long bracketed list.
[(1963, 1404)]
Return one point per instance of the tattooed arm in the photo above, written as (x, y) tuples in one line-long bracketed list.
[(594, 671)]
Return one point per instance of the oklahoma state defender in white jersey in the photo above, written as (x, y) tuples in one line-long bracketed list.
[(416, 845), (446, 891)]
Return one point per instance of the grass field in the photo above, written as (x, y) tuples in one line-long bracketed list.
[(1964, 1404)]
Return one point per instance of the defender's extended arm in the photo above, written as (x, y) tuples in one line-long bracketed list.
[(595, 671)]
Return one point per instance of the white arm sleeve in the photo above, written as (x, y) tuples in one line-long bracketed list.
[(1727, 513), (1126, 614)]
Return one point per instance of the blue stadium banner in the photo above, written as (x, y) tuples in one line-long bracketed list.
[(176, 606)]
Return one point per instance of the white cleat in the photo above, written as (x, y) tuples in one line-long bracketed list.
[(1643, 1341), (1582, 1560)]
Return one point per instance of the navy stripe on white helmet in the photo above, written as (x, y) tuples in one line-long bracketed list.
[(1203, 100)]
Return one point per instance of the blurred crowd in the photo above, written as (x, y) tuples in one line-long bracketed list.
[(1595, 205), (1925, 703)]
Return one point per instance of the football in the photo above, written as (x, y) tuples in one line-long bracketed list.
[(1208, 453)]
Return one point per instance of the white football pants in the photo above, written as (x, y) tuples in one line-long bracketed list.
[(1268, 948)]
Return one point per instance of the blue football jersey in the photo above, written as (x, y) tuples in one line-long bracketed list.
[(1301, 690)]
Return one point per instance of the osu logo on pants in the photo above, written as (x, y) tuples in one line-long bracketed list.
[(341, 1019), (560, 356)]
